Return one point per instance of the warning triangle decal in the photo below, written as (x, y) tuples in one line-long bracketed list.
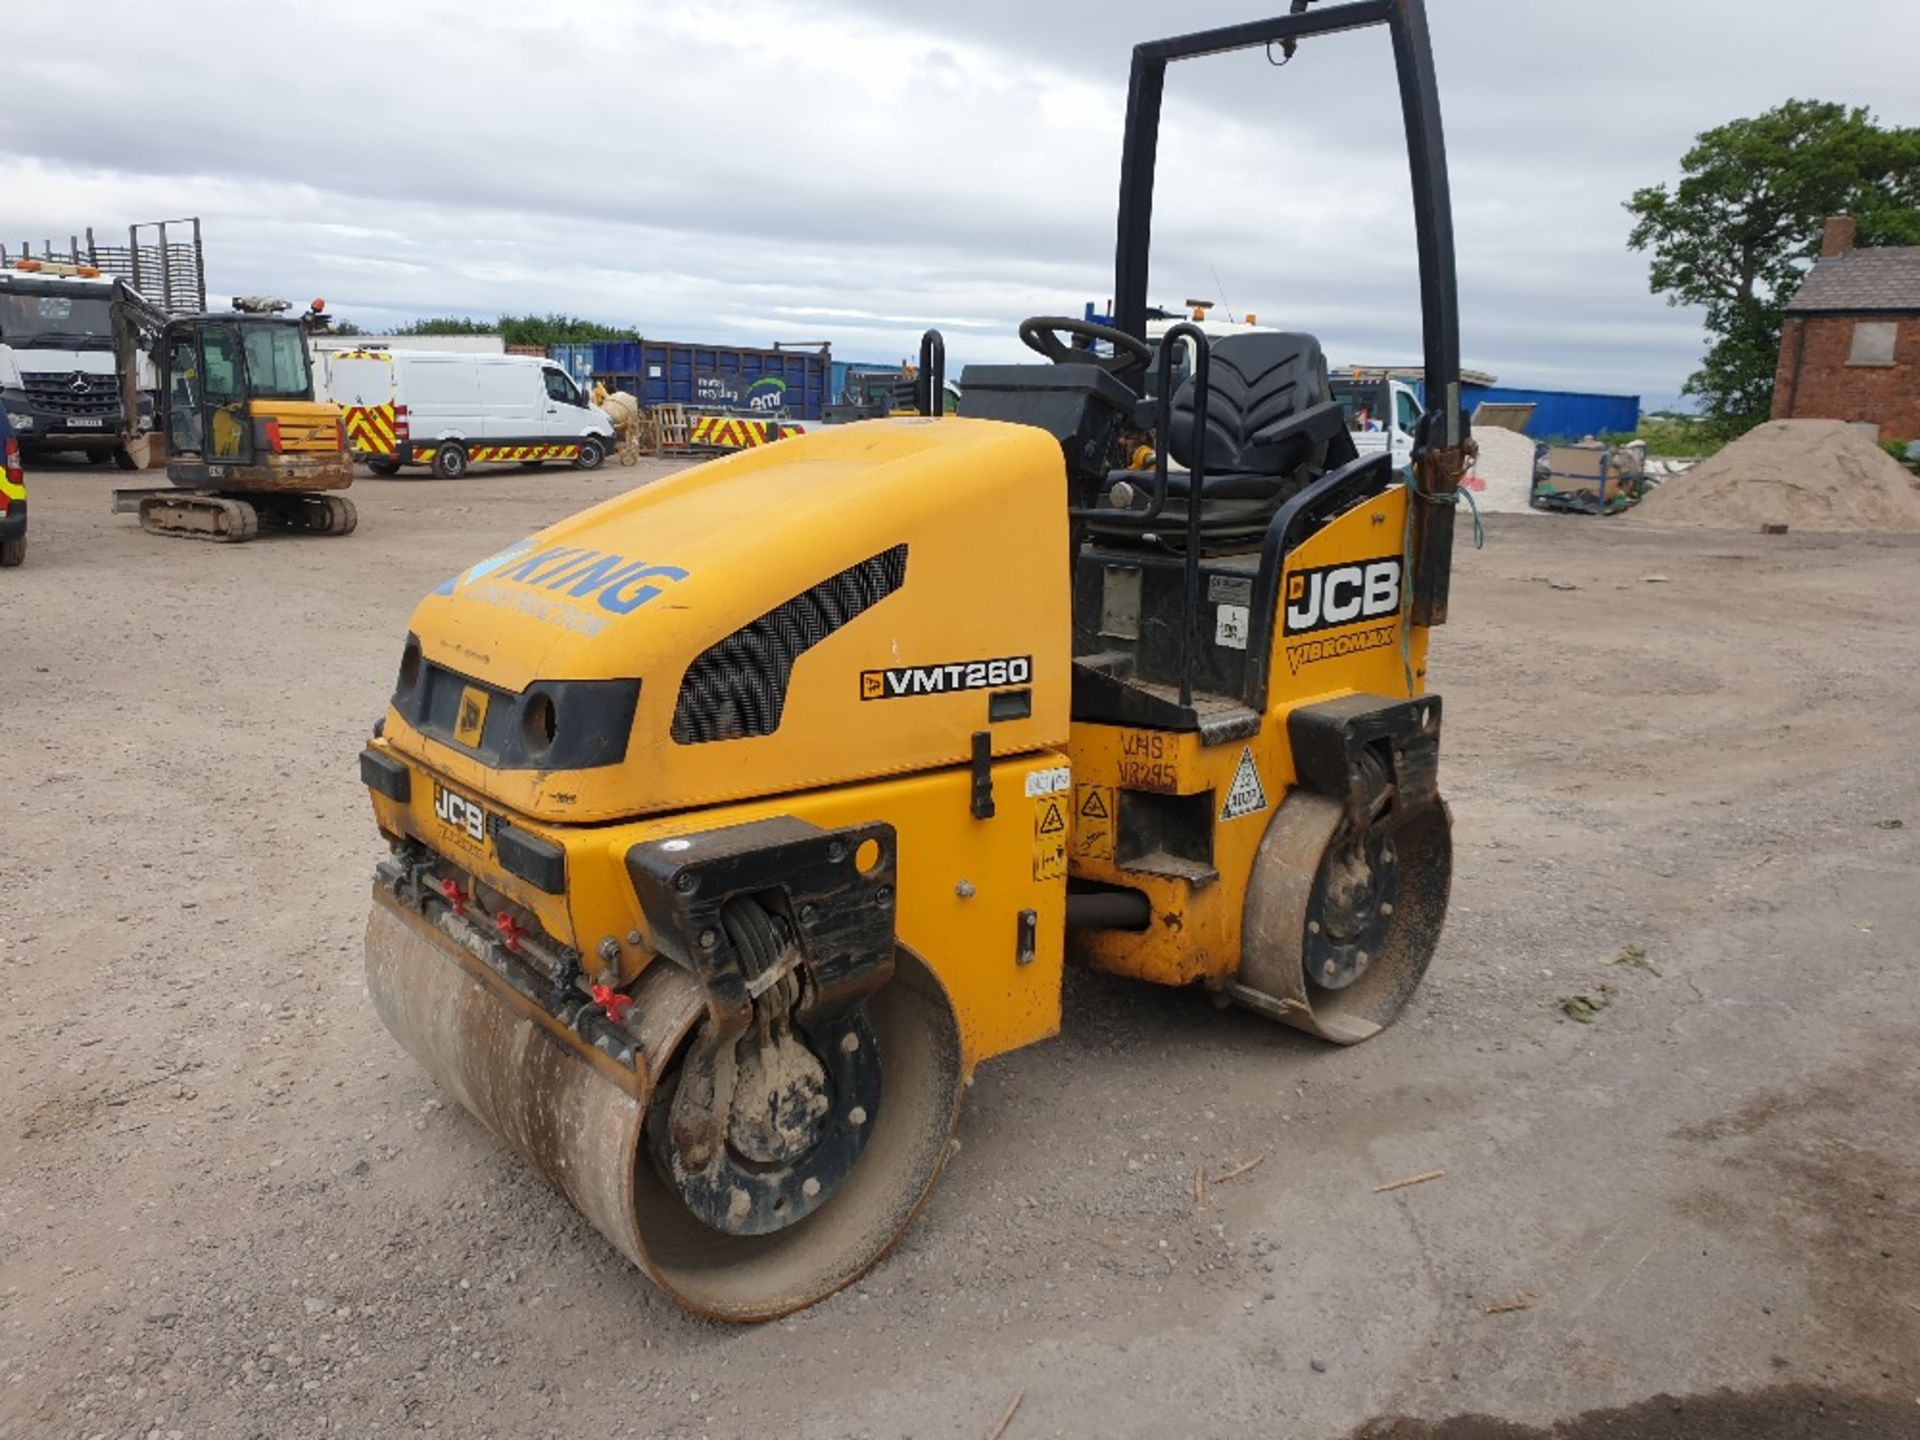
[(1093, 807), (1245, 796), (1052, 822)]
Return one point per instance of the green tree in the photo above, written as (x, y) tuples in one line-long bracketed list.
[(523, 329), (558, 330), (1738, 232), (449, 325)]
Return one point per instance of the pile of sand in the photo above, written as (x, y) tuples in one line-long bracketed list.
[(1804, 474), (1502, 478)]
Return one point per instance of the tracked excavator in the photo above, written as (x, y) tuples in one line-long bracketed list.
[(732, 822), (247, 443)]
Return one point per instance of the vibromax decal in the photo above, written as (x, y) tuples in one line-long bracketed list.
[(1333, 647)]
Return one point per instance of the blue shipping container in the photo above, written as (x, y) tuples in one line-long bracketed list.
[(1560, 414), (575, 359), (717, 377)]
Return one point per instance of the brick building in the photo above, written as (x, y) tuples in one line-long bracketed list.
[(1850, 348)]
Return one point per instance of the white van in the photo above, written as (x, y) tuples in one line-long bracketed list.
[(449, 410)]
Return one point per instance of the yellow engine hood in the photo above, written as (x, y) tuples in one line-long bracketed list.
[(640, 586)]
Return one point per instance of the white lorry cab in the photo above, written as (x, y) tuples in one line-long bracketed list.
[(63, 332), (1159, 322), (450, 410), (1383, 413)]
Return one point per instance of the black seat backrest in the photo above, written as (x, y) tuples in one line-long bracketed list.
[(1259, 384)]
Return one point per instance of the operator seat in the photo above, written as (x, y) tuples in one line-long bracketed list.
[(1272, 428)]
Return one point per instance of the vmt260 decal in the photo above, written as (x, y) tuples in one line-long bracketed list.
[(904, 680)]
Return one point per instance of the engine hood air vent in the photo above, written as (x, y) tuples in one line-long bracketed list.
[(738, 686)]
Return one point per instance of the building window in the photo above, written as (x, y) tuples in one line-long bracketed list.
[(1873, 342)]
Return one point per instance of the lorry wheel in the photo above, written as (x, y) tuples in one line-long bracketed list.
[(450, 460), (388, 468), (99, 457), (593, 452), (12, 552), (123, 459)]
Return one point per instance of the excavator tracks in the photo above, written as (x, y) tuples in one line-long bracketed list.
[(309, 514), (231, 519), (200, 517)]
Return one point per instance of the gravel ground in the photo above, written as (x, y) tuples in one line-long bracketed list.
[(1682, 773)]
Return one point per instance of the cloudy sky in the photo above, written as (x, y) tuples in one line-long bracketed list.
[(853, 170)]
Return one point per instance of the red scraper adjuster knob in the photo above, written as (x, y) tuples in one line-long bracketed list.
[(612, 1001), (456, 900), (509, 930)]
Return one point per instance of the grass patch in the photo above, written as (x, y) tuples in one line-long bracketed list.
[(1587, 1008), (1634, 957)]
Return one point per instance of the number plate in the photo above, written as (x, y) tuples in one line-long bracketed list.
[(79, 424)]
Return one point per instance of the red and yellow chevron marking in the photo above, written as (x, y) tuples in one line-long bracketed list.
[(523, 452), (370, 429), (725, 432)]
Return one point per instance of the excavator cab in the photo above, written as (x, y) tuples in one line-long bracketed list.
[(733, 822), (208, 407), (246, 442)]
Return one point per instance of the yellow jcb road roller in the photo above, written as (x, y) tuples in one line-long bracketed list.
[(247, 443), (735, 820)]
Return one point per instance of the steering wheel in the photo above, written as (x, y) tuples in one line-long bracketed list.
[(1042, 334)]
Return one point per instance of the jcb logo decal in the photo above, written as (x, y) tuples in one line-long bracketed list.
[(470, 722), (1342, 595), (945, 679), (464, 815)]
